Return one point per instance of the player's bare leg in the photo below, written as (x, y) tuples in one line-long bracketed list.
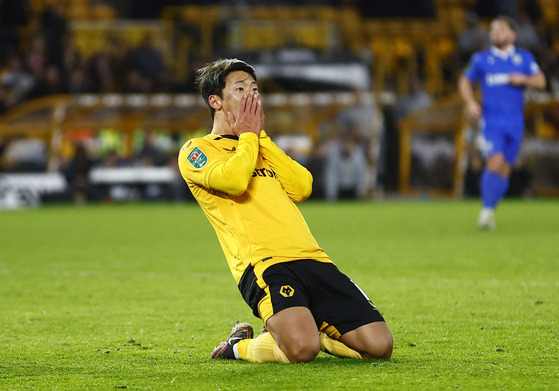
[(295, 332), (373, 340), (497, 164)]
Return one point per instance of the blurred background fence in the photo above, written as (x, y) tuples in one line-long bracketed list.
[(97, 96)]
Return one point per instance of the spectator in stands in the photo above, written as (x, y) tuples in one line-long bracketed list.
[(77, 81), (417, 98), (71, 60), (135, 82), (365, 122), (36, 57), (316, 164), (147, 60), (119, 62), (102, 78), (16, 78), (526, 35), (473, 38), (113, 160), (151, 154), (346, 171), (363, 117)]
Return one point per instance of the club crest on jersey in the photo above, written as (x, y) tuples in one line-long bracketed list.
[(287, 291), (197, 158)]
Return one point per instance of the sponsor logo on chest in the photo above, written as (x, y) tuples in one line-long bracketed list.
[(263, 172), (497, 79)]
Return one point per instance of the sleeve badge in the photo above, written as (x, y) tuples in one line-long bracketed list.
[(197, 158)]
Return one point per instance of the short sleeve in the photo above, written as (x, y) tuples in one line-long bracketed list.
[(473, 69), (533, 67)]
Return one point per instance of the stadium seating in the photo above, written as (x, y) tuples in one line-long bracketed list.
[(397, 46), (53, 118), (400, 50), (445, 116)]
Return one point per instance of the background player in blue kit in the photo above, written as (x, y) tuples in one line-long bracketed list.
[(503, 71)]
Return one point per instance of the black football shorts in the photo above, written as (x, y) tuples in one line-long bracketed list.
[(337, 304)]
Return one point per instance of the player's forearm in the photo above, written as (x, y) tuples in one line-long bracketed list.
[(233, 176), (536, 81), (295, 179), (466, 90)]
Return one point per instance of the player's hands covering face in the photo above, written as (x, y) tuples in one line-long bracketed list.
[(250, 117)]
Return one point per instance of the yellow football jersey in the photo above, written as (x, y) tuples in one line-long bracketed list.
[(247, 186)]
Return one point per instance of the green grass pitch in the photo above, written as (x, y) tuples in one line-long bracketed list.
[(136, 296)]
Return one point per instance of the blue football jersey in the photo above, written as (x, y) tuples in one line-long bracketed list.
[(502, 102)]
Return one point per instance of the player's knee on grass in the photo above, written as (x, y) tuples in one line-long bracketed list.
[(301, 350), (371, 341), (381, 348)]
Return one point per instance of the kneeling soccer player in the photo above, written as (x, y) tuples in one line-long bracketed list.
[(247, 187)]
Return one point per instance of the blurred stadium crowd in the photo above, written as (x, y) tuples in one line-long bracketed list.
[(412, 51), (39, 56)]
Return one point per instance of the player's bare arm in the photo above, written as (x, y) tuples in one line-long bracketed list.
[(536, 81), (466, 90)]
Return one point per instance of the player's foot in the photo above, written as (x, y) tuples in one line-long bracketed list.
[(486, 219), (239, 332)]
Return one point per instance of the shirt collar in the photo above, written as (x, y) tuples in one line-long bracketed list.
[(229, 136), (503, 54)]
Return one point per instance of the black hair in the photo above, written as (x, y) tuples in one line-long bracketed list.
[(210, 79), (513, 25)]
